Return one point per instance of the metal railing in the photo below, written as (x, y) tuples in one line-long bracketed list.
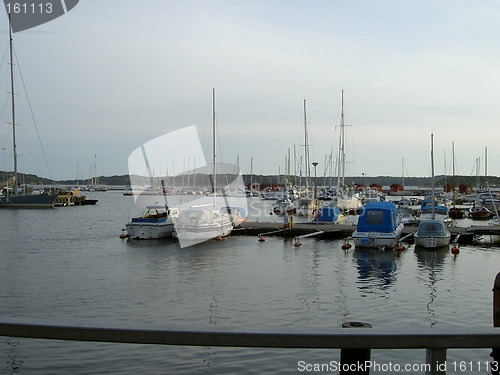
[(355, 344)]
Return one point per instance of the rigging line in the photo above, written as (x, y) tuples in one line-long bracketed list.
[(32, 114)]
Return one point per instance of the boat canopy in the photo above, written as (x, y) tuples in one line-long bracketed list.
[(378, 217), (329, 214), (439, 209), (432, 228)]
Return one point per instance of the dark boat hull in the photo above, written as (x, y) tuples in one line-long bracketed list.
[(27, 201)]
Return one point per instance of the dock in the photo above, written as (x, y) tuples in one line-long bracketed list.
[(334, 231)]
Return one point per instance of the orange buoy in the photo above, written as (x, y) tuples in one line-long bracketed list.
[(261, 239), (218, 238), (455, 250), (399, 248), (346, 246), (123, 235), (297, 244)]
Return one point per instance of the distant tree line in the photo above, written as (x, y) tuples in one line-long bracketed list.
[(266, 180)]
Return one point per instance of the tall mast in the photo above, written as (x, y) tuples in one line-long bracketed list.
[(251, 172), (432, 174), (14, 146), (214, 145), (402, 172), (341, 172), (306, 149), (485, 164)]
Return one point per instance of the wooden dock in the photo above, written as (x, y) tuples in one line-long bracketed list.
[(333, 231)]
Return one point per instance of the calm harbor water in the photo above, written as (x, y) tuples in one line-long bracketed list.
[(68, 266)]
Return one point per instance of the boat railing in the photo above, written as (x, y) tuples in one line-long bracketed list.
[(355, 343)]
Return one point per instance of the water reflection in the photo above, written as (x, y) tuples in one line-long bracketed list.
[(430, 265), (376, 268)]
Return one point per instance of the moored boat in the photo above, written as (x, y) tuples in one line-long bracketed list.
[(432, 231), (479, 212), (156, 223), (432, 234), (203, 222), (379, 226)]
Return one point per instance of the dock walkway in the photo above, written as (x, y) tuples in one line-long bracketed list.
[(342, 230)]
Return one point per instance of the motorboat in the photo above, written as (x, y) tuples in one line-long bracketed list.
[(432, 234), (156, 223), (379, 226)]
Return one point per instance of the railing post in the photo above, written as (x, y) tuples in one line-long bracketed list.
[(436, 359), (353, 360), (495, 353)]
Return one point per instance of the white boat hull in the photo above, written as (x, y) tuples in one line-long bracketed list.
[(432, 242), (201, 232), (377, 239), (148, 231)]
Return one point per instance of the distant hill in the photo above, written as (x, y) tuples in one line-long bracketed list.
[(267, 180)]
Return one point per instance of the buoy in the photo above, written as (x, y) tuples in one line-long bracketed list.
[(261, 239), (399, 248), (297, 244), (455, 250), (218, 238), (270, 213), (346, 246), (123, 235)]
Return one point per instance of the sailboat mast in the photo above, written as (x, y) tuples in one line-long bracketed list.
[(341, 170), (14, 146), (214, 144), (432, 175), (251, 173), (306, 148)]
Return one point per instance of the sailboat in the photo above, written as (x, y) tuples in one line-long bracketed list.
[(345, 202), (19, 197), (211, 220), (306, 205), (432, 232)]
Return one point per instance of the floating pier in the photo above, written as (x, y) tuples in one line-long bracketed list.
[(260, 229)]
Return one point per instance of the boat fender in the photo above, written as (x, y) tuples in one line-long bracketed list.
[(346, 246)]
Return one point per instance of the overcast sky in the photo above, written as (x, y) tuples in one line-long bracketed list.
[(111, 75)]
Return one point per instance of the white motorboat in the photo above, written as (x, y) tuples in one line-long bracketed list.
[(379, 226), (157, 222)]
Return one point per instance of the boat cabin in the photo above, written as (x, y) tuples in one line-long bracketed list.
[(379, 217), (432, 228)]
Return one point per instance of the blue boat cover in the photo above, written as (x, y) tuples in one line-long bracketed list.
[(378, 217), (426, 207), (329, 214), (431, 228)]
